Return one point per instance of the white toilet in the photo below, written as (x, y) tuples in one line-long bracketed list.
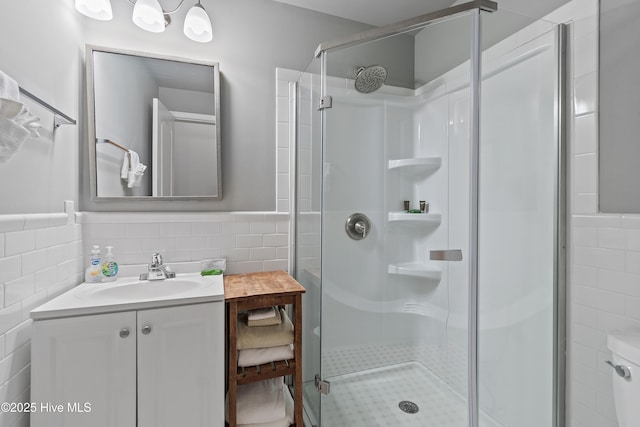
[(625, 346)]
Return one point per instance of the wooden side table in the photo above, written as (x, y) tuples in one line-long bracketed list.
[(258, 290)]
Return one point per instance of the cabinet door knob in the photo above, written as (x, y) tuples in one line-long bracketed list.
[(124, 332), (146, 330)]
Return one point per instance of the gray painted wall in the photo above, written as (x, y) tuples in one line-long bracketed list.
[(250, 39), (447, 44), (40, 43), (619, 96)]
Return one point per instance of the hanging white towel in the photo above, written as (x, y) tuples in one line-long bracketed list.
[(12, 135), (8, 87), (136, 170), (124, 171), (29, 121), (132, 170), (16, 122)]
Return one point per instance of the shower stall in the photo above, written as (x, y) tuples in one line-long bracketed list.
[(429, 223)]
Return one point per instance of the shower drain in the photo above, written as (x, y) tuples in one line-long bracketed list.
[(408, 407)]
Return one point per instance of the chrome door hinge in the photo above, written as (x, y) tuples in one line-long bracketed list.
[(325, 102), (322, 386)]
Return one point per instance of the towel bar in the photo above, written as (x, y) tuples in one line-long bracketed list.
[(59, 117)]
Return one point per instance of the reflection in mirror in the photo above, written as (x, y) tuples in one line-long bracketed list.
[(153, 132)]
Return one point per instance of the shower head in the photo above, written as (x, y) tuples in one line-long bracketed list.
[(371, 78)]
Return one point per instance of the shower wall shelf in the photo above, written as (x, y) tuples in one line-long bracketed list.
[(415, 269), (417, 218), (420, 164)]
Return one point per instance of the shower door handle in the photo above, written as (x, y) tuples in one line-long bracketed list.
[(446, 255)]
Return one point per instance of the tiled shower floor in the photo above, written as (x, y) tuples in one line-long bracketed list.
[(370, 398)]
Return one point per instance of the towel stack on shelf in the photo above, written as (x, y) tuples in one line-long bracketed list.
[(264, 336), (265, 403), (16, 122)]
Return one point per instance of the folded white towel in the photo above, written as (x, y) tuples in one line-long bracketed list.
[(8, 87), (262, 313), (12, 135), (260, 402), (284, 422), (258, 356), (264, 336)]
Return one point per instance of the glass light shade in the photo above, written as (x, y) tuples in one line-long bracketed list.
[(96, 9), (197, 25), (148, 15)]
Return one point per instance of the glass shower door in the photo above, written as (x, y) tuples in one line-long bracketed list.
[(307, 229), (394, 320)]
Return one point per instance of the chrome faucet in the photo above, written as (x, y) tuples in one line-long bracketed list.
[(157, 270)]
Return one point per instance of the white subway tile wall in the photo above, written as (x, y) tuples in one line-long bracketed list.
[(285, 129), (250, 241), (40, 257), (43, 255)]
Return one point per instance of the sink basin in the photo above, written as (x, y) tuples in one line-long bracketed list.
[(130, 293), (142, 289)]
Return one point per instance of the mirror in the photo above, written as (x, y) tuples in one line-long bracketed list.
[(154, 129)]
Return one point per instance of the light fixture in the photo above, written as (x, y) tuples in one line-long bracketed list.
[(197, 25), (149, 15), (96, 9)]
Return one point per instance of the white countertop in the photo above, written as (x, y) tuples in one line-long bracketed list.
[(129, 293)]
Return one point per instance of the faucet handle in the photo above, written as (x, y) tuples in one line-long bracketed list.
[(156, 259)]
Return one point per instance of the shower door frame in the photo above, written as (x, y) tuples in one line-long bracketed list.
[(476, 7)]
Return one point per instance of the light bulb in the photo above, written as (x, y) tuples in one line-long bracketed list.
[(96, 9), (148, 15), (197, 25)]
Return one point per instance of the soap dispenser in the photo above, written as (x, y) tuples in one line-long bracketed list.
[(109, 266), (93, 274)]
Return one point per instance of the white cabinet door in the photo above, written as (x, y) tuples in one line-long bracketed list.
[(84, 360), (181, 366)]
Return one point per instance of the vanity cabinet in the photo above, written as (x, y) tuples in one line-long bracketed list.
[(145, 368)]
